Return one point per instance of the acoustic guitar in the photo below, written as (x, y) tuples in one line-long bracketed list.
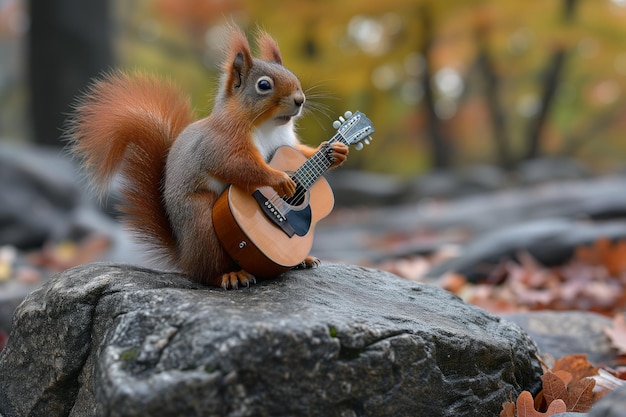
[(267, 234)]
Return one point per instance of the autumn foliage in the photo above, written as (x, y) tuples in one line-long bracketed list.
[(594, 280)]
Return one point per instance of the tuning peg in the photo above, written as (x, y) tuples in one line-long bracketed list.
[(367, 141), (358, 146), (341, 119), (336, 124), (371, 138), (347, 114)]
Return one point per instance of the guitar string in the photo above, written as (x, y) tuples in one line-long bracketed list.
[(319, 163), (305, 178), (277, 200)]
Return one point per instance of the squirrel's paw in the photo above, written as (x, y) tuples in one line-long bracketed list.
[(232, 280), (283, 184), (337, 153), (309, 262)]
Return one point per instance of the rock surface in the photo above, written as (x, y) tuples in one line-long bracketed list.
[(613, 405), (550, 241), (562, 333), (110, 340)]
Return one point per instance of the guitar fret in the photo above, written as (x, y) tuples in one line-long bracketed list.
[(312, 169)]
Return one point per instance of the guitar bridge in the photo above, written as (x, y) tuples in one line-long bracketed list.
[(273, 214)]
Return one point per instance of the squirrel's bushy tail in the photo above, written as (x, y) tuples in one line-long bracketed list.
[(127, 124)]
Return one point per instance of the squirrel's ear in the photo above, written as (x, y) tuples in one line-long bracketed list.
[(268, 48), (238, 62)]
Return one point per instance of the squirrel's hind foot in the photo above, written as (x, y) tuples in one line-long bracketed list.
[(309, 262), (232, 280)]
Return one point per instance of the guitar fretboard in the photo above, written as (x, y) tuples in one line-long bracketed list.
[(316, 165)]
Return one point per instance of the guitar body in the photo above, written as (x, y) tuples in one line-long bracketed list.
[(250, 229)]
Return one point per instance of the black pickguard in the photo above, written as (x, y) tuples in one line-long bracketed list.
[(297, 221)]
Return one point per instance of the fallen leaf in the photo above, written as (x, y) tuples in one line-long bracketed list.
[(578, 395), (452, 282), (577, 365), (610, 255), (508, 409), (617, 333), (564, 376), (556, 407), (553, 387), (526, 407), (618, 372)]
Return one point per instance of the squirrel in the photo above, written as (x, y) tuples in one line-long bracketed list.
[(173, 169)]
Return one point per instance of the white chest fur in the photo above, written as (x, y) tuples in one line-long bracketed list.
[(269, 136)]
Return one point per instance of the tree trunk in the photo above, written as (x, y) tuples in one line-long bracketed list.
[(496, 110), (550, 85), (440, 144), (69, 45)]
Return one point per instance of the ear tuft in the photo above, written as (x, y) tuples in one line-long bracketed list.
[(238, 59), (268, 48)]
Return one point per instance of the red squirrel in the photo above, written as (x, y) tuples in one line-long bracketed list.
[(173, 168)]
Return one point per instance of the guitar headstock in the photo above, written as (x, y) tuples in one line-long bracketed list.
[(354, 128)]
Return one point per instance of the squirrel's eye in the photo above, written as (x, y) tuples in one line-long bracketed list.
[(263, 85)]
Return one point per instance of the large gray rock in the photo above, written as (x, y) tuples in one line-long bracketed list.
[(107, 340), (562, 333), (550, 241), (613, 405)]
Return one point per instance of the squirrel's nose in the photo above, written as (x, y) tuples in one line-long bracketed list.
[(298, 98)]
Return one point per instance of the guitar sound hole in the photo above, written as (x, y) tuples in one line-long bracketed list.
[(298, 197)]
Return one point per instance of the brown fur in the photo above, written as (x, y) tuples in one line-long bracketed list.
[(128, 123), (268, 48)]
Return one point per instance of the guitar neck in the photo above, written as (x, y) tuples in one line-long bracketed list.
[(315, 166), (350, 131)]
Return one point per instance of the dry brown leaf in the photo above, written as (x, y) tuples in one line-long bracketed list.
[(577, 365), (578, 395), (564, 376), (617, 333), (452, 282), (555, 407), (553, 387), (508, 409), (603, 252), (526, 407), (618, 371)]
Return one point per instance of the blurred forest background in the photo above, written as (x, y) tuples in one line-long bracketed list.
[(447, 83)]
